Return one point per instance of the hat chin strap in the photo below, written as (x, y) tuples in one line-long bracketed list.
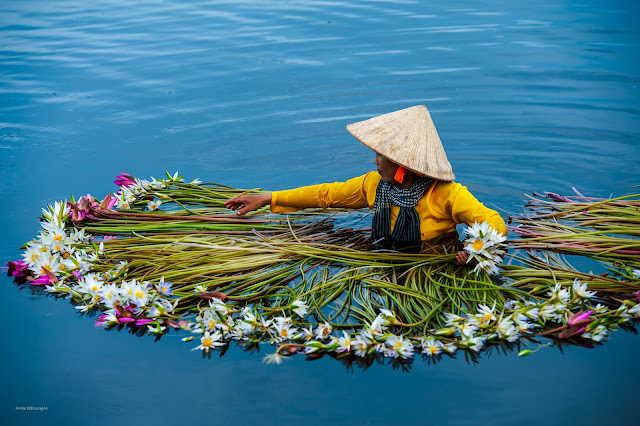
[(399, 176)]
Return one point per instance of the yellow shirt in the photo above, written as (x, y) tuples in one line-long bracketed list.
[(444, 205)]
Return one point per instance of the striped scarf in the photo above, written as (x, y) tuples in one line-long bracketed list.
[(407, 226)]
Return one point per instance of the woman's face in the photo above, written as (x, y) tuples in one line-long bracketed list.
[(386, 168)]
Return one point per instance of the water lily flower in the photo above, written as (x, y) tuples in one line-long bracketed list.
[(466, 328), (450, 348), (304, 334), (507, 330), (579, 318), (474, 343), (165, 287), (361, 344), (377, 328), (323, 331), (209, 341), (453, 319), (18, 269), (484, 317), (124, 180), (580, 291), (559, 294), (623, 313), (140, 295), (488, 266), (572, 331), (199, 289), (398, 347), (264, 325), (431, 346), (219, 306), (344, 343), (157, 329), (286, 331), (597, 335), (106, 319), (153, 205), (42, 280), (300, 308), (274, 358)]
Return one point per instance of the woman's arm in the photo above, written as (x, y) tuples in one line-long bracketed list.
[(247, 203), (350, 194)]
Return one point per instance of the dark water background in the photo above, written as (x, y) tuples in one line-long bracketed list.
[(526, 96)]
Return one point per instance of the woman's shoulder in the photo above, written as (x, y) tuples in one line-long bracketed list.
[(446, 188)]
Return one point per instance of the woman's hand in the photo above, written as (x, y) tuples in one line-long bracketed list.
[(462, 257), (248, 203)]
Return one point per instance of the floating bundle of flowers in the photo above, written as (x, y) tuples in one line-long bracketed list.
[(165, 254)]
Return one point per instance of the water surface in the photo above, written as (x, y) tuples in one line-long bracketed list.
[(526, 96)]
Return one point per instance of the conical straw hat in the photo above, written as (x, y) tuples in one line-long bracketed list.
[(407, 137)]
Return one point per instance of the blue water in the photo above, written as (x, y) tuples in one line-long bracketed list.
[(526, 96)]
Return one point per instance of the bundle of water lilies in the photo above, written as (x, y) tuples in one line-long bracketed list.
[(164, 255)]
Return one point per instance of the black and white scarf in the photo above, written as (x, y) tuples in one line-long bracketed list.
[(407, 226)]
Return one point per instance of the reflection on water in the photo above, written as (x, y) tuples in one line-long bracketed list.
[(258, 93)]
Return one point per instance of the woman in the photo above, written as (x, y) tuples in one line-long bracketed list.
[(412, 192)]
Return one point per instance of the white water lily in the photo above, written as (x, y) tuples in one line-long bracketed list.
[(466, 328), (559, 294), (474, 343), (209, 341), (110, 295), (398, 347), (431, 346), (140, 295), (361, 344), (580, 291), (305, 334), (597, 335), (323, 331), (344, 343), (153, 205), (488, 266), (156, 329), (484, 316), (286, 331), (300, 308), (507, 330)]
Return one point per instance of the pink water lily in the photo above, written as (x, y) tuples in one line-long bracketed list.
[(143, 321), (580, 318), (42, 280), (124, 179), (17, 268), (126, 319)]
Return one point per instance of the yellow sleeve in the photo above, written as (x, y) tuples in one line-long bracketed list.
[(354, 193), (465, 208)]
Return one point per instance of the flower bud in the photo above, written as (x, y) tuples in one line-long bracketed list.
[(580, 318), (573, 331)]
